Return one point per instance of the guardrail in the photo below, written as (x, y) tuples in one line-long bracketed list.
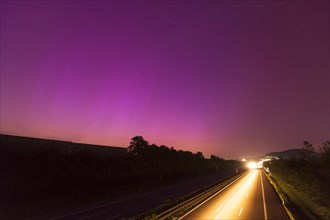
[(185, 206)]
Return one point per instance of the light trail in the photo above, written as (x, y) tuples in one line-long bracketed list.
[(251, 197), (234, 201), (236, 181)]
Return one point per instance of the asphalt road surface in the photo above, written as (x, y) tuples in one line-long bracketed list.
[(249, 197), (137, 203)]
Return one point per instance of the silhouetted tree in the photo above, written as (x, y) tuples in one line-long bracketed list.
[(325, 152), (213, 157), (199, 155), (308, 146), (217, 159), (137, 145)]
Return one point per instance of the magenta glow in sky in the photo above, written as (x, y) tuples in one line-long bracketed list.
[(234, 79)]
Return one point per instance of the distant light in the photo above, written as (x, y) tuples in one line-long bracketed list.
[(252, 165), (243, 160)]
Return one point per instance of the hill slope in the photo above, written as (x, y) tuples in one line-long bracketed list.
[(294, 153)]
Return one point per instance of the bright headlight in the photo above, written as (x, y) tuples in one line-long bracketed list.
[(252, 165)]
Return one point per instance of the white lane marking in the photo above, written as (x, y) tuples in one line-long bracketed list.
[(219, 208), (240, 211), (113, 217), (200, 204), (263, 197), (247, 194), (99, 213)]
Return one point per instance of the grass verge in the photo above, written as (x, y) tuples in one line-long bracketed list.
[(296, 203)]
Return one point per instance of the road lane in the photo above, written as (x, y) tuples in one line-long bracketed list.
[(251, 197), (275, 208)]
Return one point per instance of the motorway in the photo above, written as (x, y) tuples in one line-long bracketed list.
[(249, 197)]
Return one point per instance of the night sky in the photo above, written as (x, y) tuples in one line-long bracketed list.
[(235, 79)]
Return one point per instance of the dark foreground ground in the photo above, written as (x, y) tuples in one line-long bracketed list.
[(120, 207), (137, 203), (37, 179)]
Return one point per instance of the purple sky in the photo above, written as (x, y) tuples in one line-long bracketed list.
[(234, 79)]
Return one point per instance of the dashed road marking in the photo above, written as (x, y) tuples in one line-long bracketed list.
[(240, 211), (219, 208)]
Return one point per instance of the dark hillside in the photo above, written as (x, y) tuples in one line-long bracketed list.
[(65, 147), (294, 153)]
